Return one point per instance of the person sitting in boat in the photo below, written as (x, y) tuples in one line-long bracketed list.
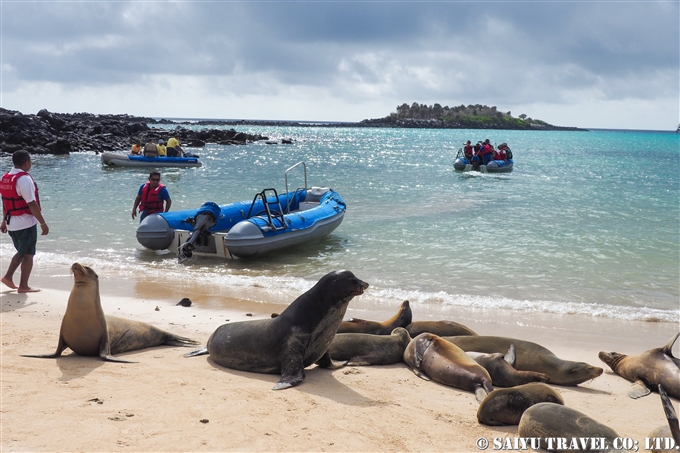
[(468, 150), (151, 197), (173, 148), (136, 149), (162, 150), (500, 153), (486, 152), (150, 150)]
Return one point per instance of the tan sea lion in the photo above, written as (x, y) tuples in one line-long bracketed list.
[(369, 349), (401, 319), (647, 370), (531, 357), (501, 368), (431, 357), (87, 331), (506, 406), (297, 338), (563, 429), (440, 328)]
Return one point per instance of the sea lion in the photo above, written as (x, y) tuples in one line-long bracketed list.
[(401, 319), (506, 406), (501, 368), (440, 328), (563, 429), (661, 436), (531, 357), (369, 349), (431, 357), (295, 339), (87, 331), (647, 370)]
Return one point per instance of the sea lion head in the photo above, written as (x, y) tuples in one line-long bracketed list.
[(83, 274), (578, 372), (342, 285), (611, 358)]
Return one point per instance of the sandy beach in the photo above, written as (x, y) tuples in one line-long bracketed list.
[(169, 403)]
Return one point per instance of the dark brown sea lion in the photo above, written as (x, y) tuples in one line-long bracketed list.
[(506, 406), (440, 328), (431, 357), (665, 439), (87, 331), (531, 357), (401, 319), (647, 370), (297, 338), (501, 368), (369, 349), (563, 429)]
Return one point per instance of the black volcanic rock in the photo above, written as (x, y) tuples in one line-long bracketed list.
[(62, 133)]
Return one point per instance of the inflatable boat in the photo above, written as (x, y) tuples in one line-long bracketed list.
[(463, 164), (246, 229), (131, 160)]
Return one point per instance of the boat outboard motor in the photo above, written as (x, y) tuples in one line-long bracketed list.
[(205, 218)]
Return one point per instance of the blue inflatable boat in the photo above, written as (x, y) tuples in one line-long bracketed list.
[(244, 229), (130, 160), (463, 164)]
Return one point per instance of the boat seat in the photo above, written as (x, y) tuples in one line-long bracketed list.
[(305, 205), (315, 193)]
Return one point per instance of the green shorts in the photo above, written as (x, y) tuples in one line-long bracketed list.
[(25, 240)]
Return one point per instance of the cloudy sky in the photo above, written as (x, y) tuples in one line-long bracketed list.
[(597, 64)]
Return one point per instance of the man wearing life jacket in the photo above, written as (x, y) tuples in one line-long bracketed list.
[(20, 217), (486, 152), (500, 153), (468, 150), (151, 196)]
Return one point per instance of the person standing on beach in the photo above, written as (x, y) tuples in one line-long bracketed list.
[(151, 196), (21, 214)]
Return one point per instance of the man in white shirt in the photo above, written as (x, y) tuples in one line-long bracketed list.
[(20, 216)]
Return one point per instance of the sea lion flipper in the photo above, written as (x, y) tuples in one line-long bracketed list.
[(668, 349), (480, 394), (197, 352), (110, 358), (671, 416), (511, 355), (327, 362), (638, 390), (60, 348), (290, 377), (420, 374)]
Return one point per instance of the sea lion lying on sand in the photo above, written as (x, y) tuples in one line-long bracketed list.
[(87, 331), (401, 319), (647, 370), (369, 349)]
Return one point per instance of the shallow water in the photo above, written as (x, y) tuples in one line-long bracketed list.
[(587, 223)]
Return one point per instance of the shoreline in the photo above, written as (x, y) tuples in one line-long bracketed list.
[(169, 403)]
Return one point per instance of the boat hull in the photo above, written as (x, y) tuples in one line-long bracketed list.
[(313, 214), (126, 160), (462, 164)]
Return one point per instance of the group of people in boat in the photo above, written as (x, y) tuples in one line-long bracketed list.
[(484, 152), (150, 149)]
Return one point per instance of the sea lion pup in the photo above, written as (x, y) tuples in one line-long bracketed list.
[(295, 339), (402, 318), (506, 406), (531, 357), (501, 368), (87, 331), (369, 349), (672, 429), (647, 370), (431, 357), (563, 429), (440, 328)]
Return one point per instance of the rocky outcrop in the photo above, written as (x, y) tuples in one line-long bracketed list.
[(60, 133)]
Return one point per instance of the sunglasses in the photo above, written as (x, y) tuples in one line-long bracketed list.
[(155, 179)]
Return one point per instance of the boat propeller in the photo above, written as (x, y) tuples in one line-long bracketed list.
[(205, 218)]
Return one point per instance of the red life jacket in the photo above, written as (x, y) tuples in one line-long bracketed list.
[(499, 155), (150, 201), (467, 149), (13, 204)]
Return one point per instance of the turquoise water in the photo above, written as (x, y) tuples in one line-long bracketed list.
[(588, 222)]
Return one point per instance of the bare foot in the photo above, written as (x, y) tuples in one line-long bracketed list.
[(7, 282), (28, 290)]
